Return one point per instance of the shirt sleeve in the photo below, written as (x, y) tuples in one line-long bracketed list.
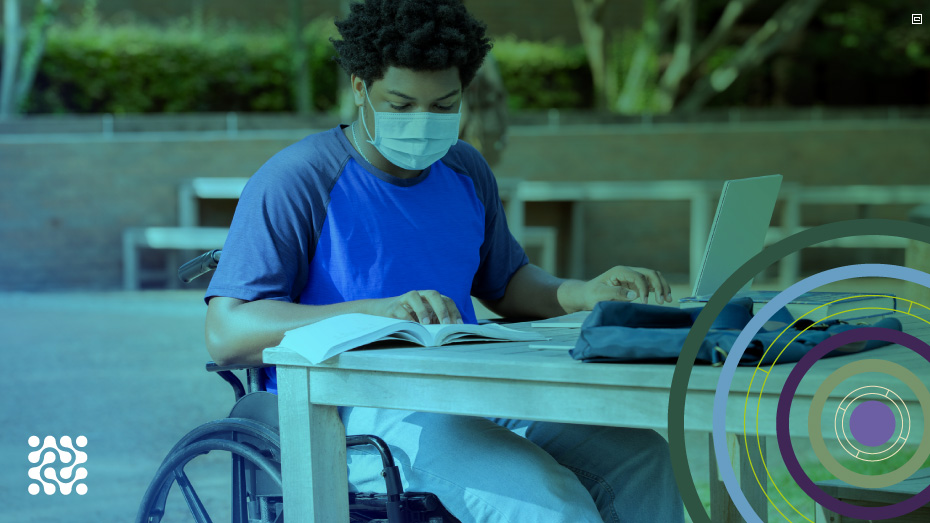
[(266, 254), (501, 254)]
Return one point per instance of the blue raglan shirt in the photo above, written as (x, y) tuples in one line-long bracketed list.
[(317, 224)]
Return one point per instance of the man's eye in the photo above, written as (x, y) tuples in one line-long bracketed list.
[(399, 107), (445, 107)]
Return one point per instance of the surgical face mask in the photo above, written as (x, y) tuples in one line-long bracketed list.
[(413, 140)]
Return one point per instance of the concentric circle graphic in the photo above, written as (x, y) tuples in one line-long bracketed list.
[(765, 380), (872, 423), (820, 399), (702, 325), (814, 429)]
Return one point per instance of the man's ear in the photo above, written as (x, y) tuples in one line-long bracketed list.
[(358, 90)]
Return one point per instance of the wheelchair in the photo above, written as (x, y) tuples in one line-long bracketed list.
[(250, 435)]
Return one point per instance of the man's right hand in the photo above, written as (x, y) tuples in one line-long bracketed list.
[(426, 307)]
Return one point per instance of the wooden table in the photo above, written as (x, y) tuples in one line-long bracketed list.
[(512, 381)]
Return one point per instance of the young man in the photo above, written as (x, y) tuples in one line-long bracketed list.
[(393, 216)]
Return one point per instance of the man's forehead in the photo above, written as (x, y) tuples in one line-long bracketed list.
[(419, 83)]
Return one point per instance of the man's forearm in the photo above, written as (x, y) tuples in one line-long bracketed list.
[(533, 292), (238, 331)]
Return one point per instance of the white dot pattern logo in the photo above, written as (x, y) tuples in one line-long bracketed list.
[(64, 478)]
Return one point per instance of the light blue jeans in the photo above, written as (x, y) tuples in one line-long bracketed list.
[(511, 471)]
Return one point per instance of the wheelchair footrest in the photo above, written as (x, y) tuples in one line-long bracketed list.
[(418, 507)]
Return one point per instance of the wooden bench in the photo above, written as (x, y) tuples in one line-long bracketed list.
[(796, 195), (188, 236), (699, 193), (876, 498), (516, 193), (173, 238)]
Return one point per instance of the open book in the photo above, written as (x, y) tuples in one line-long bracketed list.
[(324, 339)]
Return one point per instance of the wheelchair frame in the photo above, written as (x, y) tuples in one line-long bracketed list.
[(250, 435)]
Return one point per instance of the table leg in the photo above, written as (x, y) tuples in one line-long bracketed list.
[(130, 261), (790, 266), (313, 452), (515, 210), (822, 515), (576, 254), (722, 509)]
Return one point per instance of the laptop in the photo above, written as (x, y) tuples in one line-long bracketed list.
[(738, 230)]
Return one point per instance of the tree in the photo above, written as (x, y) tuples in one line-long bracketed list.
[(20, 62), (787, 20), (590, 15), (301, 67), (654, 81)]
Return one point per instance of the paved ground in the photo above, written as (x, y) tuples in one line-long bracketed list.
[(123, 369)]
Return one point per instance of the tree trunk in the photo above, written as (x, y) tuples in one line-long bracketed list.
[(11, 51), (789, 18), (681, 59), (720, 32), (348, 111), (655, 29), (590, 16), (303, 95), (35, 48)]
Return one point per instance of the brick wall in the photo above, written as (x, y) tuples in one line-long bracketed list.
[(63, 206)]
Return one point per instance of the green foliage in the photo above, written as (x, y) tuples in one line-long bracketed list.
[(541, 75), (749, 88), (136, 69), (874, 37)]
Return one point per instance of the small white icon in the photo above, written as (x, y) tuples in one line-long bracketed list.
[(917, 19), (47, 454)]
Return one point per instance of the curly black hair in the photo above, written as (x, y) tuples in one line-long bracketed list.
[(422, 35)]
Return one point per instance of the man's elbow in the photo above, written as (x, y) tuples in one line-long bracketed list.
[(218, 335), (217, 346)]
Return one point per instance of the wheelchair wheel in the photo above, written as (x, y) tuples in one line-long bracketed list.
[(256, 460), (250, 435)]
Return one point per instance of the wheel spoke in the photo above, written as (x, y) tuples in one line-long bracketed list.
[(190, 495)]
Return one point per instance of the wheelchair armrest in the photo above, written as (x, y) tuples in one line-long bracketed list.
[(213, 367), (254, 373)]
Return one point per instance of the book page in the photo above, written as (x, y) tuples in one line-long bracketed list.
[(443, 334), (324, 339)]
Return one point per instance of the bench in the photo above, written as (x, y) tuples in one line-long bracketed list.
[(174, 238), (876, 498), (795, 196), (698, 193)]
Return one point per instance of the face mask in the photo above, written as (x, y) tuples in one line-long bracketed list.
[(413, 140)]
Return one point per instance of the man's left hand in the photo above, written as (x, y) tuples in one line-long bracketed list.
[(626, 284)]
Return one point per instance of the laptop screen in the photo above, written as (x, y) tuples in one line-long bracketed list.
[(738, 231)]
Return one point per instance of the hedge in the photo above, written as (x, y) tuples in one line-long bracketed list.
[(141, 69), (134, 68)]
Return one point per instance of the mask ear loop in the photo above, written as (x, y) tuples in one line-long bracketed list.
[(362, 113)]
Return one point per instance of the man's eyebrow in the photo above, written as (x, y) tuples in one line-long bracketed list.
[(407, 97)]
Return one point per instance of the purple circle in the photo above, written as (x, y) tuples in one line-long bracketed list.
[(872, 423), (783, 435)]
